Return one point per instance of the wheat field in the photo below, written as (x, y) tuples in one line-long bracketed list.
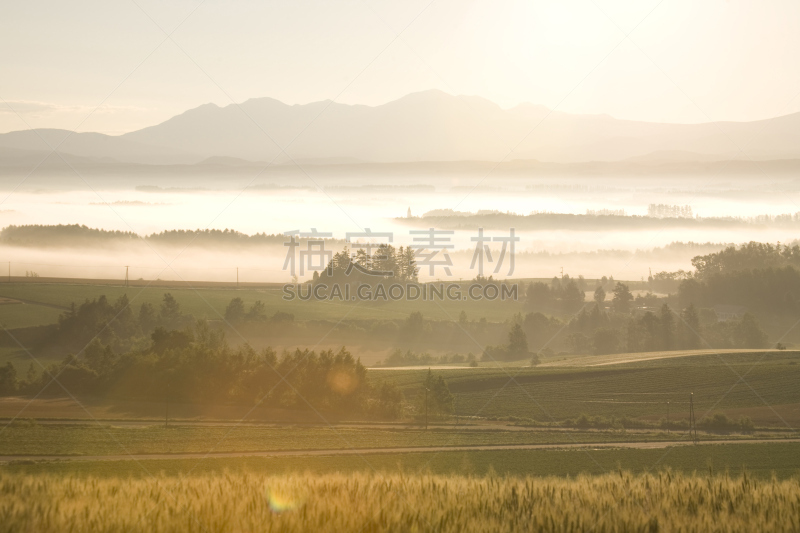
[(663, 501)]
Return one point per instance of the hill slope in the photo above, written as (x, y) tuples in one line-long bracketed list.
[(425, 126)]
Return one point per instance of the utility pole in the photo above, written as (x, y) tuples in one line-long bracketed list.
[(667, 416), (166, 410), (426, 408), (237, 277), (126, 276), (692, 421), (9, 271)]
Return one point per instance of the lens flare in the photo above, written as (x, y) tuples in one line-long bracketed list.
[(342, 381), (279, 503)]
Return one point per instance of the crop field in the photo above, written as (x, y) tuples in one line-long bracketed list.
[(664, 501), (761, 460), (75, 440), (768, 392)]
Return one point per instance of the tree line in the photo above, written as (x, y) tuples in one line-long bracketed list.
[(196, 364), (599, 332), (758, 276), (561, 294), (160, 353), (81, 235), (596, 330), (749, 256)]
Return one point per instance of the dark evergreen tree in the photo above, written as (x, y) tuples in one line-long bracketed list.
[(622, 298), (690, 328), (235, 313), (667, 328)]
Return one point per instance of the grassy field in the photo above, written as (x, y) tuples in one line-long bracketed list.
[(238, 500), (211, 303), (762, 460), (639, 389), (20, 439), (25, 315)]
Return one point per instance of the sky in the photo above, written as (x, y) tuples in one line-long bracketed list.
[(119, 66)]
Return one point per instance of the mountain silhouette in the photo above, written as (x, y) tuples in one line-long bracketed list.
[(424, 126)]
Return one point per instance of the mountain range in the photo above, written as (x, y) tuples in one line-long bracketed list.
[(429, 126)]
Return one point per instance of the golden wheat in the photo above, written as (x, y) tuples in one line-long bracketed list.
[(367, 503)]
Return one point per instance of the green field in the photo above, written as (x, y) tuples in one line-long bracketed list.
[(211, 303), (551, 398), (20, 439), (759, 459), (25, 315), (768, 395), (639, 389)]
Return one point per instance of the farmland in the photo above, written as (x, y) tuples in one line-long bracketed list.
[(211, 303), (394, 502), (516, 432), (761, 460), (639, 390), (26, 315), (22, 438)]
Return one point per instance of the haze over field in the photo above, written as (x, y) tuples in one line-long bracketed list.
[(619, 113), (419, 265)]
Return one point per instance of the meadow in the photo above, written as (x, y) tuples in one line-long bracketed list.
[(620, 501), (211, 303), (14, 316), (20, 438), (768, 394), (760, 460)]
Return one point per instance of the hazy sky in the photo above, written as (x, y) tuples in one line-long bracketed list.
[(687, 61)]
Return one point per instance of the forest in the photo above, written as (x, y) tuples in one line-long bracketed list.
[(64, 235), (164, 355)]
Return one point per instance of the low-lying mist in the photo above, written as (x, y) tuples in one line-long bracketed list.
[(622, 240), (264, 263)]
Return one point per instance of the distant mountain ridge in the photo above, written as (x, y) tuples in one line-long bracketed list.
[(426, 126)]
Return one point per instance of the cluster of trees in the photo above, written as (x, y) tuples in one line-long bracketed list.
[(196, 364), (115, 324), (216, 237), (386, 264), (61, 235), (235, 313), (80, 235), (773, 290), (160, 352), (759, 276), (408, 358), (515, 349), (603, 333), (597, 330), (750, 256), (567, 295), (562, 294), (667, 282), (434, 398)]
